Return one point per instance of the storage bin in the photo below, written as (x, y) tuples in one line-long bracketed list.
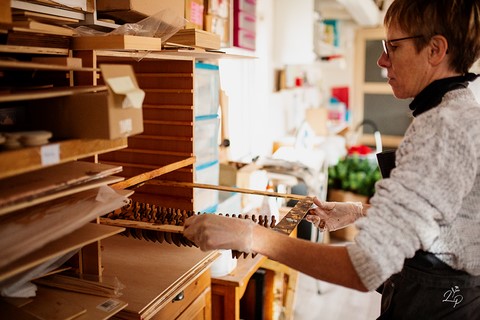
[(245, 21), (206, 200), (206, 89), (249, 6), (244, 24), (205, 140), (244, 39)]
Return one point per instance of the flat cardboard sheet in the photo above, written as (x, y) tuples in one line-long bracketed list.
[(41, 182)]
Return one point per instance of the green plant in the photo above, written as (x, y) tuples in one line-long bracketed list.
[(354, 173)]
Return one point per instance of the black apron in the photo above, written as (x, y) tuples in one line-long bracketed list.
[(427, 288)]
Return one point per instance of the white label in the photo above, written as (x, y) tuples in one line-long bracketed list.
[(126, 125), (108, 305), (50, 154)]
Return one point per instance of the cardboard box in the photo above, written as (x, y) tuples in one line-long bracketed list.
[(219, 8), (136, 10), (317, 119), (219, 26), (244, 176), (196, 38), (194, 12), (110, 114)]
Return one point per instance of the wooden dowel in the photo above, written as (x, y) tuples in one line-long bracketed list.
[(224, 188), (153, 174)]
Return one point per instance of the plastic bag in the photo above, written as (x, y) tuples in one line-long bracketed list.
[(163, 24)]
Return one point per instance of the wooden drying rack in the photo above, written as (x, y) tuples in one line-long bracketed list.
[(174, 229)]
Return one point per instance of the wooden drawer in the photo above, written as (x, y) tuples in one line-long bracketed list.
[(194, 304)]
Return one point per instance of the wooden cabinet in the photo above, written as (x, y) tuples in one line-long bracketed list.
[(161, 281), (29, 211)]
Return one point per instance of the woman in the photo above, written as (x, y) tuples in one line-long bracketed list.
[(419, 240)]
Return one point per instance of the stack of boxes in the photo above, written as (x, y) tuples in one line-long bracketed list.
[(205, 138), (244, 24), (217, 20)]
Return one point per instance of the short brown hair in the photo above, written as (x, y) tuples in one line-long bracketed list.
[(457, 20)]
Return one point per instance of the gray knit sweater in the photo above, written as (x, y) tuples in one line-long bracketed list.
[(431, 200)]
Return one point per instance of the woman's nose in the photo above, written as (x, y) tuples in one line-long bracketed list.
[(383, 61)]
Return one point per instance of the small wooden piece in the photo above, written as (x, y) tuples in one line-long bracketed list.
[(41, 27), (42, 17), (117, 42), (196, 38)]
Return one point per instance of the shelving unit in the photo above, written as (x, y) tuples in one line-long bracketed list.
[(85, 239), (164, 150)]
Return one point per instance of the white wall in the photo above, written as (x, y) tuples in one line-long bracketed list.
[(293, 32), (258, 116), (247, 82)]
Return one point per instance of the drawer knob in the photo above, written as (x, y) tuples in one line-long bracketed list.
[(179, 297)]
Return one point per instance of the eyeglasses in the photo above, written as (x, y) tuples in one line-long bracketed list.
[(389, 43)]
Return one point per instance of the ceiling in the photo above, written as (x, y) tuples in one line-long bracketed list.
[(363, 12)]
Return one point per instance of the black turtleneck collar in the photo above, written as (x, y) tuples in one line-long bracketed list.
[(432, 95)]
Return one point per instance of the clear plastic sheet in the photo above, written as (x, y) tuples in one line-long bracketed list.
[(163, 24), (21, 286)]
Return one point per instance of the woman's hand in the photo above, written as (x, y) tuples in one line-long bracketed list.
[(334, 215), (211, 231)]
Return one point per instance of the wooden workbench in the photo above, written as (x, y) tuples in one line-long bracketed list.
[(228, 290), (162, 281)]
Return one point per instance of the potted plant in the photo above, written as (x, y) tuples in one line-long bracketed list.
[(353, 178)]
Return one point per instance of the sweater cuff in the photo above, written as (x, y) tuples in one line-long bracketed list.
[(365, 267)]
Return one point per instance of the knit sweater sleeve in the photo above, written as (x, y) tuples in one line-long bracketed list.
[(436, 167)]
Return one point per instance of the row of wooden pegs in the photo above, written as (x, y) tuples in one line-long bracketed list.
[(157, 224)]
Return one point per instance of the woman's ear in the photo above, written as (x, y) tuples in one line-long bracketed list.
[(438, 49)]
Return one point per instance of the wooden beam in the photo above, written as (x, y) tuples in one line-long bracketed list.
[(225, 188)]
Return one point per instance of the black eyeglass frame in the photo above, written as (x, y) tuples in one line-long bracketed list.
[(386, 43)]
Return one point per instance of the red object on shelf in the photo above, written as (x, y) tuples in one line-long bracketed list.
[(360, 150), (298, 82), (244, 24), (341, 94)]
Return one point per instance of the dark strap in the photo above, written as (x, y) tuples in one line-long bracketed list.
[(428, 262), (386, 162)]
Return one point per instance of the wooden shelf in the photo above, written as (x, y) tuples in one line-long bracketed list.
[(27, 159), (52, 8), (40, 66), (89, 233), (64, 192), (49, 93), (177, 54), (33, 50)]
